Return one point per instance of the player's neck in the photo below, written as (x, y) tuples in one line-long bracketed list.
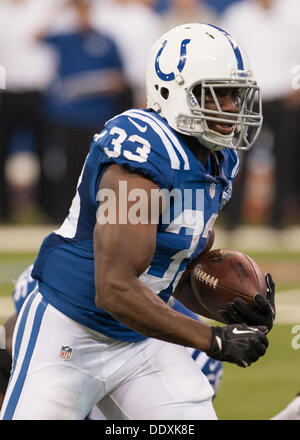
[(201, 153)]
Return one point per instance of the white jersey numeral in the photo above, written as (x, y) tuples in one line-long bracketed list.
[(142, 150)]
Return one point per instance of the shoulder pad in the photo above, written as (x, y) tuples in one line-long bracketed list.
[(232, 163), (142, 141)]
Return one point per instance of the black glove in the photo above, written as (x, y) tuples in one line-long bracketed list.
[(238, 343), (240, 312)]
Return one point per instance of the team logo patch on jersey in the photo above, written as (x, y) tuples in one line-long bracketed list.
[(66, 352), (212, 190), (141, 128)]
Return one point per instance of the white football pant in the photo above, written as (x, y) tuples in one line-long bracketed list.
[(61, 370)]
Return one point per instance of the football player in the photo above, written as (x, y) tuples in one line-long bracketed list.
[(211, 368), (97, 329)]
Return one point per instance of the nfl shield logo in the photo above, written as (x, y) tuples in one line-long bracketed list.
[(66, 352), (212, 190)]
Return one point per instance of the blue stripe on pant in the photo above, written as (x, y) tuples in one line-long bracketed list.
[(16, 392)]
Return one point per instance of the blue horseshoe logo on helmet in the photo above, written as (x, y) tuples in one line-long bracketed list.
[(181, 63)]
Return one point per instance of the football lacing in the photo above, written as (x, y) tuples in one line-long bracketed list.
[(205, 277)]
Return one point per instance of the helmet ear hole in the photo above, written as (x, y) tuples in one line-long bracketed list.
[(164, 92)]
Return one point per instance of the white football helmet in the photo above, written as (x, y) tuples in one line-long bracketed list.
[(199, 54)]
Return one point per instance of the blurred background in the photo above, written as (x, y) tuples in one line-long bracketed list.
[(67, 66)]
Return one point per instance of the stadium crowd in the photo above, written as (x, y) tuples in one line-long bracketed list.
[(70, 65)]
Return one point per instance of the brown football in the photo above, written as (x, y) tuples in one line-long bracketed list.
[(222, 275)]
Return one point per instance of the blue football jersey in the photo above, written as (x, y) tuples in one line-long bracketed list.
[(141, 141)]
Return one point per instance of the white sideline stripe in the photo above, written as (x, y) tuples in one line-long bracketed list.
[(287, 307), (254, 238), (175, 163), (171, 136)]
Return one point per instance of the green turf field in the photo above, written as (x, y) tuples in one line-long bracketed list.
[(264, 388)]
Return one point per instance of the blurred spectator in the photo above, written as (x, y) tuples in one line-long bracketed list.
[(161, 5), (217, 6), (269, 31), (220, 6), (188, 11), (89, 88), (135, 26), (28, 68)]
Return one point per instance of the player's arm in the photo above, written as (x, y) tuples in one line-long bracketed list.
[(122, 253), (210, 242)]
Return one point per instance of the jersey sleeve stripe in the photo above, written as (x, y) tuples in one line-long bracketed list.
[(175, 163), (236, 167), (173, 138)]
